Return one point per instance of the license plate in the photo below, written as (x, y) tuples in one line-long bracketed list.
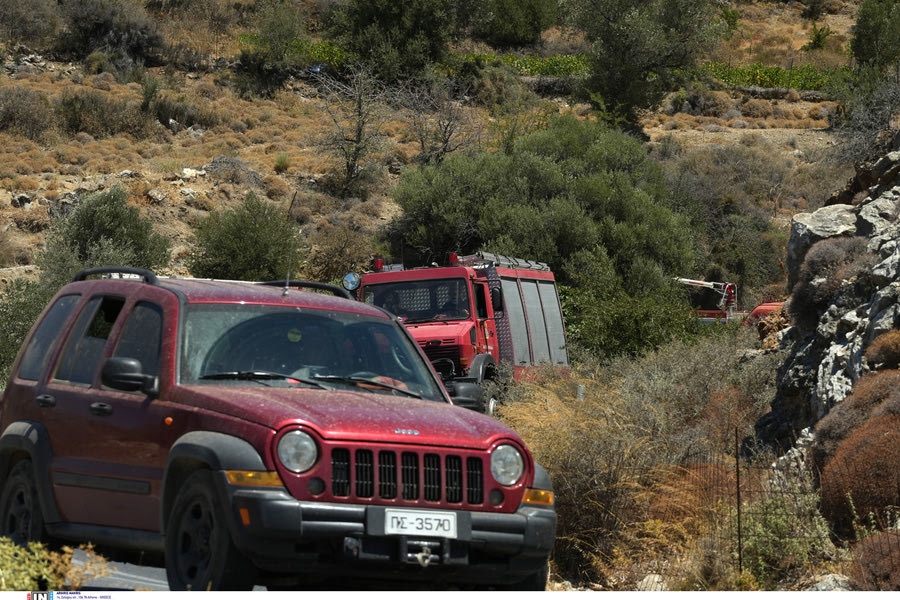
[(417, 522)]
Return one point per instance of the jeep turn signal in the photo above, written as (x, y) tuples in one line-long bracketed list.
[(533, 496), (257, 478)]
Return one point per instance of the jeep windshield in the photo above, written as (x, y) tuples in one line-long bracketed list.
[(421, 301), (264, 345)]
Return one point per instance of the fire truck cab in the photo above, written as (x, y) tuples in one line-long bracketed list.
[(480, 312)]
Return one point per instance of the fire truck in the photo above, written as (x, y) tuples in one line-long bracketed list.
[(472, 316), (717, 306)]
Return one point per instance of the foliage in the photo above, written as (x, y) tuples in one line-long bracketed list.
[(722, 189), (558, 65), (876, 560), (858, 481), (884, 351), (638, 47), (876, 37), (254, 241), (36, 568), (106, 217), (817, 37), (628, 453), (396, 40), (101, 116), (866, 124), (356, 110), (26, 112), (513, 22), (835, 273), (800, 77), (337, 249), (784, 532), (120, 29), (33, 22)]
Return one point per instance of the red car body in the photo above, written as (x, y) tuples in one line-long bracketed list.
[(255, 431)]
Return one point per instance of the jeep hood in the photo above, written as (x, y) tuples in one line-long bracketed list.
[(352, 415)]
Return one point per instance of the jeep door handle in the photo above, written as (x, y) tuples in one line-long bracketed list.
[(45, 401), (101, 409)]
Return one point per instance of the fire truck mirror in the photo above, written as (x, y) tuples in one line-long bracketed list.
[(497, 299), (351, 281)]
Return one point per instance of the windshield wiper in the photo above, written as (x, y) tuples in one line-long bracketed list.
[(363, 380), (260, 376)]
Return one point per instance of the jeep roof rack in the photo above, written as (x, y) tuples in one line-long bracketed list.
[(316, 285), (145, 275)]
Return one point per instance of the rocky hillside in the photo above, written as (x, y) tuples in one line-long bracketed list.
[(844, 272)]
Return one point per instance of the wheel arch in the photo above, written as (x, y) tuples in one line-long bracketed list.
[(209, 450), (483, 367), (30, 440)]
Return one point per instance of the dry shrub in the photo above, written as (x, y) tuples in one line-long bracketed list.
[(870, 392), (835, 272), (757, 108), (861, 484), (32, 221), (276, 187), (339, 247), (884, 351), (877, 562)]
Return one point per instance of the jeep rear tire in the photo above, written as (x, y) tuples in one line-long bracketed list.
[(200, 554), (20, 508)]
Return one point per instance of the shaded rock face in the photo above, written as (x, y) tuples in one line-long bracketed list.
[(837, 312)]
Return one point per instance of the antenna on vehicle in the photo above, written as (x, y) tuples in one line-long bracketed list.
[(287, 278)]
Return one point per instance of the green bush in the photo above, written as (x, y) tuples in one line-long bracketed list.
[(120, 29), (876, 36), (783, 534), (395, 40), (106, 217), (254, 241), (513, 22)]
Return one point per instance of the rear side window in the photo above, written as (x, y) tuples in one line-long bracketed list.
[(35, 356), (141, 337), (81, 357)]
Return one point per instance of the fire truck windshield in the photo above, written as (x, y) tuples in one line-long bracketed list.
[(422, 300)]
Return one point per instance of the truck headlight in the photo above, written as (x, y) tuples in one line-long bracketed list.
[(507, 464), (297, 451)]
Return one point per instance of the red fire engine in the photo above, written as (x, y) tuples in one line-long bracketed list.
[(470, 317)]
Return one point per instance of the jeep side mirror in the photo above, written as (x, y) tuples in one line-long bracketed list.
[(497, 299), (127, 374)]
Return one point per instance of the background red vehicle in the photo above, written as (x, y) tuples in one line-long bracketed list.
[(472, 316)]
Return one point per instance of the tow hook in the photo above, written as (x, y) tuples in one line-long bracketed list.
[(424, 557)]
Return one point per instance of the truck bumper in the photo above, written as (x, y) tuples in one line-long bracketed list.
[(280, 534)]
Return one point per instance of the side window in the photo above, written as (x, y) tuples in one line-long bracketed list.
[(141, 337), (81, 356), (36, 353), (481, 300), (540, 346)]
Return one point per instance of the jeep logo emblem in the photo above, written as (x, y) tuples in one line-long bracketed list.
[(401, 431)]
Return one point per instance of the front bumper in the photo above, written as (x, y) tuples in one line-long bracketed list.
[(283, 535)]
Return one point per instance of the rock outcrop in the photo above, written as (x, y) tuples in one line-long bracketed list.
[(854, 305)]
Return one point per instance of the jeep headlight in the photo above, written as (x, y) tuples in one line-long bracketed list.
[(297, 451), (507, 464)]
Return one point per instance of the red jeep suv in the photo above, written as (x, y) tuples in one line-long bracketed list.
[(259, 432)]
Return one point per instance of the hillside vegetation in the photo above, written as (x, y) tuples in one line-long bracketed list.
[(257, 138)]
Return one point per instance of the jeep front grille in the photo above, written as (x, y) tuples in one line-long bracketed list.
[(407, 476)]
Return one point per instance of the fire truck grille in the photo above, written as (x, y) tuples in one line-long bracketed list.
[(411, 477)]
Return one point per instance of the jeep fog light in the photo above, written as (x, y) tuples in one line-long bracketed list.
[(297, 451), (507, 465)]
